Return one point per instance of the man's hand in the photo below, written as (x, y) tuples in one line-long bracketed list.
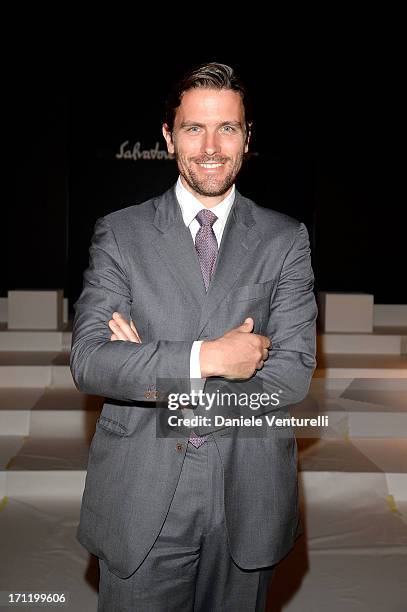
[(122, 330), (235, 355)]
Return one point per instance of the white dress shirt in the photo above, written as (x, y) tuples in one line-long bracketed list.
[(190, 207)]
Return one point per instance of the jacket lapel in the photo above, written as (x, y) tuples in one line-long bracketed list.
[(239, 238), (176, 248)]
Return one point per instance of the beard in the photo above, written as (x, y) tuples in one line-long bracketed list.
[(209, 185)]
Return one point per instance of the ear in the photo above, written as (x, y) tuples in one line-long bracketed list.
[(168, 138)]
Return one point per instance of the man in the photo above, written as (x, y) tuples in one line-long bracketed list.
[(199, 283)]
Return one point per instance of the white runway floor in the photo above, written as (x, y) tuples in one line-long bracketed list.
[(353, 478)]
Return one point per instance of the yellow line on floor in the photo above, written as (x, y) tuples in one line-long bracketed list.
[(10, 463), (392, 505)]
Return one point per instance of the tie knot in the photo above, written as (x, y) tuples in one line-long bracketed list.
[(206, 217)]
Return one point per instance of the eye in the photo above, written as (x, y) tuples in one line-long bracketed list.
[(193, 129), (228, 128)]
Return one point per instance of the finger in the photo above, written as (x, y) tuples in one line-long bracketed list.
[(117, 330), (134, 328), (113, 337), (266, 342), (260, 365), (247, 325), (125, 328), (265, 354)]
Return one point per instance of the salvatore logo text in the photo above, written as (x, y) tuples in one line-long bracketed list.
[(136, 153)]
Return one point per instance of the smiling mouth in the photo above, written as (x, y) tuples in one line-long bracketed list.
[(211, 165)]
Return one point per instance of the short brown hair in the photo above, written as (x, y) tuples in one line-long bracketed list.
[(208, 76)]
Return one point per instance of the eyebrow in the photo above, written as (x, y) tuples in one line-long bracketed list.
[(197, 124)]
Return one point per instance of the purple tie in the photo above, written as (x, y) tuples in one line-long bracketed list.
[(206, 244), (207, 249)]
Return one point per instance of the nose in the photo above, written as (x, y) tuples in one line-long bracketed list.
[(211, 143)]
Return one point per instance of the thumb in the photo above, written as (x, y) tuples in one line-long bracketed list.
[(248, 325)]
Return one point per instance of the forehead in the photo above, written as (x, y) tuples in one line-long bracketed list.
[(209, 105)]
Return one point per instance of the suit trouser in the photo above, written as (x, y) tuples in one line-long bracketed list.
[(189, 568)]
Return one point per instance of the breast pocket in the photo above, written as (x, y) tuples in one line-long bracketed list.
[(257, 291), (250, 301)]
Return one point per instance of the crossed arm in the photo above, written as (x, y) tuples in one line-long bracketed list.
[(124, 370), (235, 355), (241, 355)]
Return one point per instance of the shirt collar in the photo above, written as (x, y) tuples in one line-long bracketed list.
[(190, 205)]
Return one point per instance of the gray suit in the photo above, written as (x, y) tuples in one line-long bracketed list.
[(143, 264)]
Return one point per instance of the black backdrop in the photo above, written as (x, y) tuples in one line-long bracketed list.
[(325, 150)]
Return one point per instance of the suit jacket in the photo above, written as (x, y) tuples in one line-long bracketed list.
[(143, 264)]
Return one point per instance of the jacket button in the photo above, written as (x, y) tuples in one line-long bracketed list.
[(179, 448)]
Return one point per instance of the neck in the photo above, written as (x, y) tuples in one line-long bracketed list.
[(207, 201)]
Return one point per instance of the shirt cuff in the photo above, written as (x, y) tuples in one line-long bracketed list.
[(194, 363), (194, 374)]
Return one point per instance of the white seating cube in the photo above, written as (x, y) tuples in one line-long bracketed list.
[(346, 312), (39, 309)]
